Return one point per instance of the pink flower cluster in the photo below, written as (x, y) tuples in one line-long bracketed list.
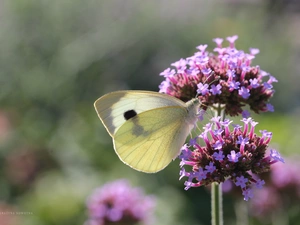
[(225, 77), (236, 154), (118, 203)]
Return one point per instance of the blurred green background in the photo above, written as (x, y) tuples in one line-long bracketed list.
[(57, 57)]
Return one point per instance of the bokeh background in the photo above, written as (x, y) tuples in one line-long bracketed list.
[(57, 57)]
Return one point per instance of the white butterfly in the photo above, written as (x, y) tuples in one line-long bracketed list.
[(148, 128)]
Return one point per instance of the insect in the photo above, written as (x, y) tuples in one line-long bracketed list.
[(148, 128)]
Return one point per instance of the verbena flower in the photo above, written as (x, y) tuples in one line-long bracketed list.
[(224, 77), (236, 153), (224, 81), (119, 203)]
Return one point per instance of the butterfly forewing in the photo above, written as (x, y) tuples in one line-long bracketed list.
[(111, 107)]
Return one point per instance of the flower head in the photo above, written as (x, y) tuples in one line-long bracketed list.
[(238, 154), (118, 203), (225, 77)]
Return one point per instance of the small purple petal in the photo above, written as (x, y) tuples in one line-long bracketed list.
[(201, 174), (219, 155), (181, 70), (270, 107), (220, 50), (232, 39), (230, 73), (218, 145), (218, 132), (183, 173), (193, 141), (193, 72), (254, 51), (264, 73), (247, 194), (244, 92), (179, 64), (167, 72), (216, 119), (201, 48), (202, 89), (234, 85), (267, 85), (185, 153), (245, 114), (226, 122), (188, 185), (242, 141), (233, 156), (236, 127), (272, 79), (206, 71), (210, 168), (246, 120), (164, 86), (259, 183), (218, 41), (276, 156), (254, 83), (215, 90), (241, 181)]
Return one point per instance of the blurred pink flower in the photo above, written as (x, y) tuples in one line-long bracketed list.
[(119, 203)]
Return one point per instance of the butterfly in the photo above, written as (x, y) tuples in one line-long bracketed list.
[(148, 128)]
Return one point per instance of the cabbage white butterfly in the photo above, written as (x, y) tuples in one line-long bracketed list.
[(148, 128)]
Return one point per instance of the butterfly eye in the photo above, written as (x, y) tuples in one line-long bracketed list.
[(129, 114)]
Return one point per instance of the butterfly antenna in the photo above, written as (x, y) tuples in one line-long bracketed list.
[(212, 73), (191, 136)]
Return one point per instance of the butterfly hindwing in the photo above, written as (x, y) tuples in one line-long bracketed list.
[(112, 107), (150, 140)]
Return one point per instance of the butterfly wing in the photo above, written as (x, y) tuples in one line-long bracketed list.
[(149, 141), (111, 107)]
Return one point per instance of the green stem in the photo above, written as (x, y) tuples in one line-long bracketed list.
[(216, 189), (216, 204)]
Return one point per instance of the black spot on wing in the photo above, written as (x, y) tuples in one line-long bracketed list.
[(129, 114), (137, 129)]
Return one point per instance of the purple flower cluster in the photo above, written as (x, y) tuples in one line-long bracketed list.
[(118, 203), (237, 154), (225, 77)]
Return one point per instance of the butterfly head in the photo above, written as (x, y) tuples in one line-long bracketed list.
[(193, 108)]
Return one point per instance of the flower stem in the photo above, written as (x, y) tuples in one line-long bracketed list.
[(216, 204), (216, 189)]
